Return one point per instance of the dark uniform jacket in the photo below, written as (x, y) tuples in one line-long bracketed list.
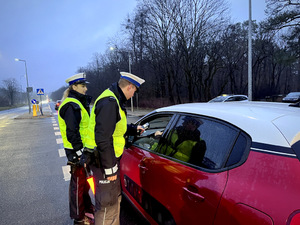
[(106, 116), (71, 113)]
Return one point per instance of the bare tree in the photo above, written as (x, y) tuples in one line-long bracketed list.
[(188, 51), (284, 16), (283, 13), (10, 87), (176, 32)]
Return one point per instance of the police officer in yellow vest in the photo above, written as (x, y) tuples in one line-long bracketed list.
[(185, 143), (73, 118), (107, 127)]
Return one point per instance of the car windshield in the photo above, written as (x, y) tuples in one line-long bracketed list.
[(218, 99), (293, 94)]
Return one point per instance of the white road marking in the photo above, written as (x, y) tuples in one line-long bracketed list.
[(66, 172), (59, 141), (61, 152)]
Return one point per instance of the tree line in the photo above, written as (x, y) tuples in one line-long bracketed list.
[(11, 94), (188, 50)]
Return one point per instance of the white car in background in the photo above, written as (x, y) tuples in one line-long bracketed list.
[(292, 97), (230, 98)]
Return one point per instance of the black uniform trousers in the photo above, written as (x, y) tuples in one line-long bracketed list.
[(107, 198), (79, 198)]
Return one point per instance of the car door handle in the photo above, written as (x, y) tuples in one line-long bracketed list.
[(143, 168), (193, 195), (143, 164)]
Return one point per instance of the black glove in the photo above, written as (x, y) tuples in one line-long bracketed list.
[(72, 156), (86, 157)]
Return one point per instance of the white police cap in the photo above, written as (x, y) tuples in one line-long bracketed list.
[(77, 78), (132, 79)]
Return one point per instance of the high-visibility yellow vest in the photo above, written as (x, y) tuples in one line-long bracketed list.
[(120, 129), (182, 152), (83, 125)]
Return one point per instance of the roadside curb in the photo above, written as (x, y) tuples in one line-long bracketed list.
[(47, 112), (30, 116)]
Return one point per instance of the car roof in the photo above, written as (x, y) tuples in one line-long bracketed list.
[(265, 122), (294, 93)]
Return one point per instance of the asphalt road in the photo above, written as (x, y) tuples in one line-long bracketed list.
[(34, 178)]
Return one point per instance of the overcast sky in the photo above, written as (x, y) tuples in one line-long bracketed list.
[(57, 37)]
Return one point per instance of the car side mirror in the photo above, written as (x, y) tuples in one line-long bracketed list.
[(129, 141)]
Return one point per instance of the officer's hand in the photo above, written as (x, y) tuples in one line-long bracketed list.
[(140, 129), (86, 157), (112, 178), (72, 157)]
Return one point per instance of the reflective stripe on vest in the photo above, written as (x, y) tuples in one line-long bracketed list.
[(120, 129), (82, 126)]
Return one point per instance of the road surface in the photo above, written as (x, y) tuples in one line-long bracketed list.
[(34, 178)]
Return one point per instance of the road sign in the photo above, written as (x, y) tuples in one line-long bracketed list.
[(33, 101), (29, 89), (40, 91)]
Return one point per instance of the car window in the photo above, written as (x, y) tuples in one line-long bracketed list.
[(237, 153), (218, 99), (230, 99), (156, 124), (293, 94), (203, 142)]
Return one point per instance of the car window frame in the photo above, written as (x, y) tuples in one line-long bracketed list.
[(130, 139), (224, 123), (230, 99), (174, 120), (245, 154)]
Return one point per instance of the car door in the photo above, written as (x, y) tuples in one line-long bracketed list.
[(190, 187), (136, 155), (180, 186), (190, 196)]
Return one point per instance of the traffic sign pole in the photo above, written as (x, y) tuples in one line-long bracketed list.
[(40, 92), (41, 105)]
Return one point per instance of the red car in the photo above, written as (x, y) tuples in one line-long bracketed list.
[(57, 104), (216, 164)]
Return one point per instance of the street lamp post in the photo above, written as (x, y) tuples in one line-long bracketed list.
[(129, 62), (129, 67), (250, 53), (27, 89)]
